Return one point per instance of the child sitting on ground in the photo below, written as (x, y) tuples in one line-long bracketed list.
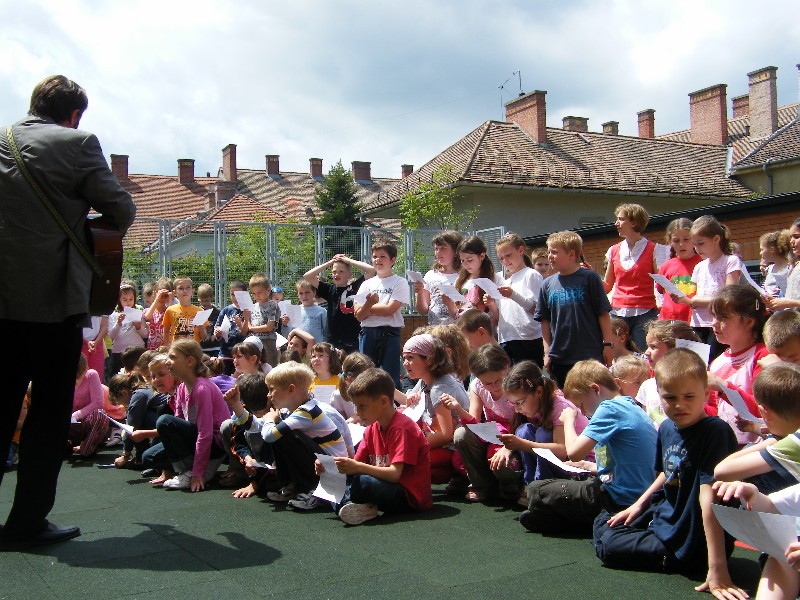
[(677, 530), (296, 429), (624, 443), (353, 365), (630, 372), (142, 404), (391, 470), (476, 327), (89, 426)]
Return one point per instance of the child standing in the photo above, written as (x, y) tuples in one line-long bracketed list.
[(313, 318), (154, 315), (125, 335), (791, 295), (391, 471), (190, 439), (540, 262), (205, 296), (718, 268), (518, 332), (429, 301), (263, 322), (178, 317), (380, 314), (573, 309), (679, 268), (677, 530), (775, 251), (475, 263), (235, 318)]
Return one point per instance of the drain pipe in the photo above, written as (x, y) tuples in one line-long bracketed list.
[(768, 174)]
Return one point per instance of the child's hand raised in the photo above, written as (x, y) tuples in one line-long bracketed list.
[(232, 397)]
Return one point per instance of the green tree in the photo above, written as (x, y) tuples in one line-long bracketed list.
[(336, 198), (433, 204)]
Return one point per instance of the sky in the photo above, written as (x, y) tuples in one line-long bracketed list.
[(390, 83)]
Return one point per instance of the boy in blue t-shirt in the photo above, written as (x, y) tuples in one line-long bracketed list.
[(671, 526), (573, 309)]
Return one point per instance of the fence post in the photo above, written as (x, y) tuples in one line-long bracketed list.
[(271, 235), (366, 245), (318, 231), (220, 261)]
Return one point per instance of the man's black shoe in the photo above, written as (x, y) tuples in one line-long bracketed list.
[(52, 534)]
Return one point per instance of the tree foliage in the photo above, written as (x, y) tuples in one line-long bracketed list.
[(336, 198), (433, 204)]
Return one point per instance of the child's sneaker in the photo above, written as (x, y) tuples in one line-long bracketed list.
[(305, 502), (355, 514), (179, 482), (115, 438), (282, 495)]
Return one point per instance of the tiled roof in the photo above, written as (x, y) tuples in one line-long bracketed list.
[(240, 208), (162, 197), (739, 131), (502, 153), (291, 194), (784, 144)]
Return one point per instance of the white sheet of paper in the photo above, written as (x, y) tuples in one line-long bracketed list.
[(356, 432), (489, 286), (324, 393), (243, 299), (665, 283), (736, 400), (766, 532), (749, 280), (549, 456), (414, 276), (488, 431), (360, 298), (132, 315), (661, 253), (332, 484), (702, 350), (264, 465), (293, 312), (126, 428), (415, 412), (202, 317), (225, 327), (451, 292), (280, 341)]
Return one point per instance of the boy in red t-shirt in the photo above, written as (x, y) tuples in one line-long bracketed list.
[(391, 471)]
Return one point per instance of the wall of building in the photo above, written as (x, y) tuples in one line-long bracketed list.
[(785, 178)]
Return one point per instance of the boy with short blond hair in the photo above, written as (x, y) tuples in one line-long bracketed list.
[(263, 320), (679, 531), (391, 471), (297, 428), (573, 309), (379, 313), (782, 336), (476, 327), (178, 317)]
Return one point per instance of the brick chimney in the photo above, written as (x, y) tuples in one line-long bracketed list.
[(273, 164), (763, 102), (530, 113), (740, 106), (315, 167), (185, 171), (362, 171), (611, 128), (576, 124), (647, 123), (229, 172), (119, 166), (224, 191), (406, 170), (708, 113)]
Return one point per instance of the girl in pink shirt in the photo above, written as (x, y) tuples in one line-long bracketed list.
[(89, 427)]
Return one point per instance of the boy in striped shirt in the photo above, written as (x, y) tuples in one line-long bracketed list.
[(297, 429)]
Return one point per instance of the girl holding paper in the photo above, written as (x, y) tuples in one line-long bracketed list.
[(679, 269), (446, 266), (125, 334), (476, 264)]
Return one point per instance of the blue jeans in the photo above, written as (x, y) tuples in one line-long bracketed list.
[(176, 449), (365, 489), (533, 468), (382, 345)]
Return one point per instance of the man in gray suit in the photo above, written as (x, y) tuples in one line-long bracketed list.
[(44, 294)]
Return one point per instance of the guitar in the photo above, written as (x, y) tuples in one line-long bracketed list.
[(105, 244)]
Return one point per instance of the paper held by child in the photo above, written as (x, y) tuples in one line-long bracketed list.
[(126, 428), (736, 400), (766, 532), (668, 286), (490, 287), (414, 276), (415, 412), (702, 350), (132, 315), (324, 393), (549, 456), (356, 432), (280, 341), (243, 299), (488, 431), (293, 312), (332, 484), (749, 280), (225, 327), (201, 318), (451, 292)]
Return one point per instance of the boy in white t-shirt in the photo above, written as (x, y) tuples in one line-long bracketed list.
[(377, 307)]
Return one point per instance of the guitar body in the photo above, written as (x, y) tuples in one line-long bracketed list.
[(105, 243)]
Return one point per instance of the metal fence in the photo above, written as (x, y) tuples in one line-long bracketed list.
[(222, 251)]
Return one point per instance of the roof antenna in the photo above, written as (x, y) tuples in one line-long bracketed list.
[(502, 105), (519, 74)]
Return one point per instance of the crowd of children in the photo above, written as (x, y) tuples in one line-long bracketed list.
[(605, 406)]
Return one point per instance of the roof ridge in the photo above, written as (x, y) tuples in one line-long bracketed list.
[(486, 126), (769, 138)]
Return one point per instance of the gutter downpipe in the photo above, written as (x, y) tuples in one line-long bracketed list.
[(769, 176)]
